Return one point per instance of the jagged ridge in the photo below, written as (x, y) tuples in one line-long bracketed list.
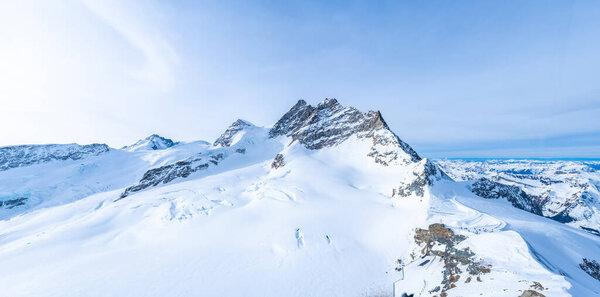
[(518, 198), (168, 173), (26, 155), (330, 123)]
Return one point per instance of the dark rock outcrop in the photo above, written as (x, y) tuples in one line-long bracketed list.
[(168, 173), (518, 198), (329, 124), (12, 203), (424, 176), (591, 267), (293, 120), (27, 155), (278, 162)]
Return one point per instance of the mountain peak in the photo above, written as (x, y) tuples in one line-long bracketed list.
[(330, 123), (152, 142), (329, 103), (228, 137)]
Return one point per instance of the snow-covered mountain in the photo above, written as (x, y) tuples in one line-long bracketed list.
[(565, 191), (152, 142), (27, 155), (327, 202)]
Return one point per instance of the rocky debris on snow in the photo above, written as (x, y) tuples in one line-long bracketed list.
[(329, 124), (538, 286), (518, 198), (226, 139), (424, 175), (12, 203), (168, 173), (152, 142), (531, 293), (591, 267), (438, 240), (26, 155), (278, 162)]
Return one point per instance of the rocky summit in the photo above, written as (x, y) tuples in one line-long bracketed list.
[(330, 123), (152, 142)]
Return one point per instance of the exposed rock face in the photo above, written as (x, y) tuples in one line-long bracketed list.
[(227, 138), (152, 142), (425, 174), (168, 173), (532, 293), (12, 203), (437, 240), (278, 162), (330, 124), (27, 155), (293, 120), (591, 267), (518, 198)]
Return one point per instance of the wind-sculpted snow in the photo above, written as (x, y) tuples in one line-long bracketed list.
[(26, 155), (330, 124), (566, 191), (152, 142)]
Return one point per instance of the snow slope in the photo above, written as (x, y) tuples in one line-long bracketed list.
[(324, 204)]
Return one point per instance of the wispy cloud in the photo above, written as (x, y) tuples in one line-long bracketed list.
[(159, 56)]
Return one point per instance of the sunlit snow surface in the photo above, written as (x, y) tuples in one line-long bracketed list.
[(324, 224)]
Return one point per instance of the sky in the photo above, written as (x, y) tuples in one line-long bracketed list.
[(452, 78)]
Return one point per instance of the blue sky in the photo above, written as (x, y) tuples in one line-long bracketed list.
[(452, 78)]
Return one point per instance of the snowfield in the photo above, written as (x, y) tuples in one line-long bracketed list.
[(308, 209)]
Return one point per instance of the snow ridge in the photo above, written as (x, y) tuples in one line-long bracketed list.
[(152, 142), (26, 155)]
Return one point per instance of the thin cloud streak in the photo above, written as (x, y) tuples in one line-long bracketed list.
[(160, 56)]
